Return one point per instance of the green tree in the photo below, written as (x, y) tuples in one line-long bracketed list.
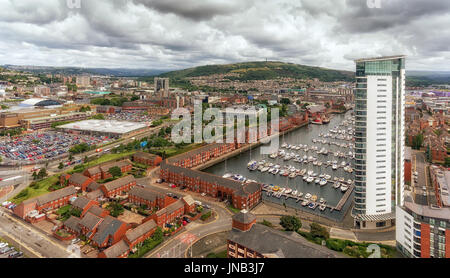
[(115, 171), (319, 231), (290, 223), (61, 165), (285, 101), (42, 173)]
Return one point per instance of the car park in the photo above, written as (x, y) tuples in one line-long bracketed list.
[(39, 146), (130, 117)]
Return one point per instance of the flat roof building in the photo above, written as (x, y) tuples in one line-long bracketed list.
[(104, 127)]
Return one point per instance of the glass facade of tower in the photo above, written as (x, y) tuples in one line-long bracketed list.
[(364, 69)]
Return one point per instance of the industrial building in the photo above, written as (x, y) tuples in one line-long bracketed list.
[(113, 129)]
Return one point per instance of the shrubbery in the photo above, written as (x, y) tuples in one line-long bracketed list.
[(205, 216), (290, 223), (319, 231)]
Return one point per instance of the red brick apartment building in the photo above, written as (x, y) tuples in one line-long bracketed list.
[(132, 238), (50, 201), (147, 159), (168, 214), (150, 198), (102, 171), (78, 180), (116, 187), (110, 231), (84, 204), (201, 155), (240, 195)]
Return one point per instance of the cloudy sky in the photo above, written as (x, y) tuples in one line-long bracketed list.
[(174, 34)]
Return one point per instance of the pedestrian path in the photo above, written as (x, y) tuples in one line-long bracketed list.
[(342, 234)]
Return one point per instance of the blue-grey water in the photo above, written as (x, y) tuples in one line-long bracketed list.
[(304, 135)]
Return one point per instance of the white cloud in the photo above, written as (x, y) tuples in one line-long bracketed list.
[(177, 34)]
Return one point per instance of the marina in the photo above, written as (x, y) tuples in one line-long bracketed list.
[(312, 162)]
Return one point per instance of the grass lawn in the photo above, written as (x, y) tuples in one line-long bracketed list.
[(147, 247), (220, 255), (351, 248), (41, 188), (233, 209), (63, 209), (108, 157), (173, 151), (63, 233)]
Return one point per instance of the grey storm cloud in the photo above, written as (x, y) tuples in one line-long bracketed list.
[(172, 34), (194, 9)]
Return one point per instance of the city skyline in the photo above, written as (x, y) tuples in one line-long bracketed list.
[(168, 36)]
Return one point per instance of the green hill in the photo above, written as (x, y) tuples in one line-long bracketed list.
[(263, 71)]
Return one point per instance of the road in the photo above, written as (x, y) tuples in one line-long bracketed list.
[(420, 166), (179, 246), (30, 239)]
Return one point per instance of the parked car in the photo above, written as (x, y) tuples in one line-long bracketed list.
[(75, 240), (207, 207), (15, 254), (187, 220), (6, 250), (3, 245)]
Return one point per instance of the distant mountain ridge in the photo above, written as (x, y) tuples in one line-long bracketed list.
[(263, 71), (118, 72)]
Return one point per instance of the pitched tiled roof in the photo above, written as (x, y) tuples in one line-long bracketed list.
[(90, 220), (105, 167), (78, 178), (119, 182), (195, 152), (81, 202), (93, 186), (96, 210), (117, 249), (171, 208), (93, 170), (72, 223), (188, 200), (108, 227), (140, 230), (56, 195), (95, 194), (145, 194), (273, 243)]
